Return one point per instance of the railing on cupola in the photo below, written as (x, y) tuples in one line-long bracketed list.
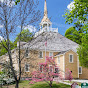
[(46, 29)]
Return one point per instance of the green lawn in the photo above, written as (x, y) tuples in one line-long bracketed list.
[(25, 84), (55, 85)]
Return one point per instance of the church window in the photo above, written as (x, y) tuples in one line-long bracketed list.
[(26, 67), (71, 58), (41, 68), (40, 54), (27, 52), (50, 68), (51, 54), (80, 70), (58, 60), (56, 70)]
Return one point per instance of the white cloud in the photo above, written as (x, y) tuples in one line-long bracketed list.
[(1, 38), (30, 28), (71, 5), (1, 26), (10, 3)]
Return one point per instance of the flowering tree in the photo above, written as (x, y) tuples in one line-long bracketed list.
[(47, 72), (68, 75)]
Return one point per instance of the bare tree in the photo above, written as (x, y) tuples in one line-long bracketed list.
[(11, 16)]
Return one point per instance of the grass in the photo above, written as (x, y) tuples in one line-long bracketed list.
[(45, 85), (25, 84)]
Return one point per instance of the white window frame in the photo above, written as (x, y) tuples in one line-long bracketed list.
[(42, 68), (69, 58), (58, 69), (42, 55), (58, 59), (28, 67), (27, 53), (81, 69), (49, 68), (52, 54)]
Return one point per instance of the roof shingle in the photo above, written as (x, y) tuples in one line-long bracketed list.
[(55, 42)]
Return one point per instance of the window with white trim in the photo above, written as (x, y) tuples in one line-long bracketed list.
[(80, 70), (50, 68), (51, 54), (71, 58), (56, 70), (41, 68), (27, 52), (26, 67), (58, 60), (40, 54)]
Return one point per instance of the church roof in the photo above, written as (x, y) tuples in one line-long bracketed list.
[(55, 42), (61, 53)]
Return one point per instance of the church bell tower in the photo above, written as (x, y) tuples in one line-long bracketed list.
[(46, 24)]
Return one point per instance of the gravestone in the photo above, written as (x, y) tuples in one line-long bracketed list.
[(74, 85), (84, 85)]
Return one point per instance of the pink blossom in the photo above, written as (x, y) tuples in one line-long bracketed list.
[(27, 79), (68, 75), (31, 82), (46, 74)]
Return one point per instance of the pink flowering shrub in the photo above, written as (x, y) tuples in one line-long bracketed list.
[(68, 75), (27, 79), (48, 71)]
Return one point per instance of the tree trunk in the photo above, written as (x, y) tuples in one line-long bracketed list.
[(50, 84), (17, 84)]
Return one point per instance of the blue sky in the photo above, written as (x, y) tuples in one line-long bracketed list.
[(56, 8)]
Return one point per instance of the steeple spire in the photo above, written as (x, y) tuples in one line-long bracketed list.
[(45, 10), (45, 23), (45, 17)]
